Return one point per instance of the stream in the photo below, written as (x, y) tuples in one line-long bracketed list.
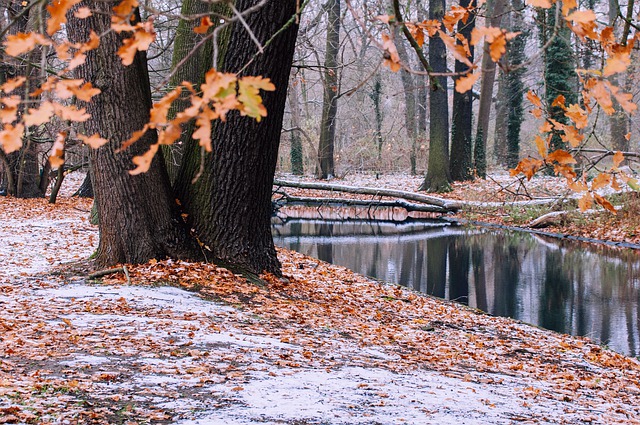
[(566, 286)]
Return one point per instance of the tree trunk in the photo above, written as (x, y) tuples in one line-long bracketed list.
[(421, 105), (86, 188), (229, 206), (409, 88), (502, 119), (438, 177), (138, 216), (495, 9), (297, 163), (331, 92), (461, 142), (192, 69), (22, 172)]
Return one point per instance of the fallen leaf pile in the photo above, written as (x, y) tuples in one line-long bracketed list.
[(192, 341)]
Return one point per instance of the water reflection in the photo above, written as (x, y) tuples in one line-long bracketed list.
[(561, 285)]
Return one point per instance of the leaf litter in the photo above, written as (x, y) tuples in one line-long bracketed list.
[(193, 343)]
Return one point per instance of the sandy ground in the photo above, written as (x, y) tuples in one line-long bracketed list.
[(188, 343)]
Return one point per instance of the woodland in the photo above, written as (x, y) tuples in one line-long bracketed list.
[(153, 142)]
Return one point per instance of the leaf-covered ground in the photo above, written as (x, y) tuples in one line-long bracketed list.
[(191, 343)]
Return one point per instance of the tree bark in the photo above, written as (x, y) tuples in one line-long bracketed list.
[(495, 9), (461, 160), (297, 162), (229, 206), (138, 216), (438, 177), (326, 145), (193, 67)]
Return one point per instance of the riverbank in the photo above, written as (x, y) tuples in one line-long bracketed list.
[(622, 229), (191, 343)]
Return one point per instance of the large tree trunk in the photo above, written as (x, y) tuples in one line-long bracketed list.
[(438, 177), (192, 67), (330, 100), (229, 206), (461, 143), (138, 216)]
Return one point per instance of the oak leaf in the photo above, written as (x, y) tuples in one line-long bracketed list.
[(94, 141), (249, 96), (203, 132), (577, 115), (581, 16), (541, 145), (71, 113), (528, 167), (205, 24), (11, 137), (56, 159), (618, 157), (544, 4), (601, 180), (12, 84), (9, 111), (40, 115), (58, 10), (606, 204), (17, 44), (466, 82), (83, 13), (534, 99), (143, 162), (561, 157), (585, 202), (456, 49)]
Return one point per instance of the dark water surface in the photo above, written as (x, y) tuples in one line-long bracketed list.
[(570, 287)]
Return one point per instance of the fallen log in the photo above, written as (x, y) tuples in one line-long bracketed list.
[(398, 203), (447, 204)]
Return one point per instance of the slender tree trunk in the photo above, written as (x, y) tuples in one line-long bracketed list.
[(438, 177), (86, 188), (377, 108), (22, 172), (297, 163), (229, 206), (138, 216), (409, 88), (421, 105), (495, 9), (330, 101), (461, 160), (502, 119)]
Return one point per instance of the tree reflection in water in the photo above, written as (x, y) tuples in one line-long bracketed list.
[(561, 285)]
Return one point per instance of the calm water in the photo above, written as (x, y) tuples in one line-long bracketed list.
[(561, 285)]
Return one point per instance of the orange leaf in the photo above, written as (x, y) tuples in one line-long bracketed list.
[(466, 82), (161, 108), (56, 159), (71, 113), (95, 141), (541, 145), (606, 204), (125, 8), (205, 24), (528, 167), (561, 157), (581, 16), (577, 186), (617, 159), (134, 138), (600, 181), (534, 99), (391, 57), (544, 4), (572, 136), (41, 115), (58, 10), (9, 111), (13, 84), (249, 96), (142, 38), (618, 62), (559, 101), (577, 115), (11, 138), (585, 202), (17, 44), (567, 5), (456, 49), (203, 133), (564, 170), (83, 13), (144, 161)]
